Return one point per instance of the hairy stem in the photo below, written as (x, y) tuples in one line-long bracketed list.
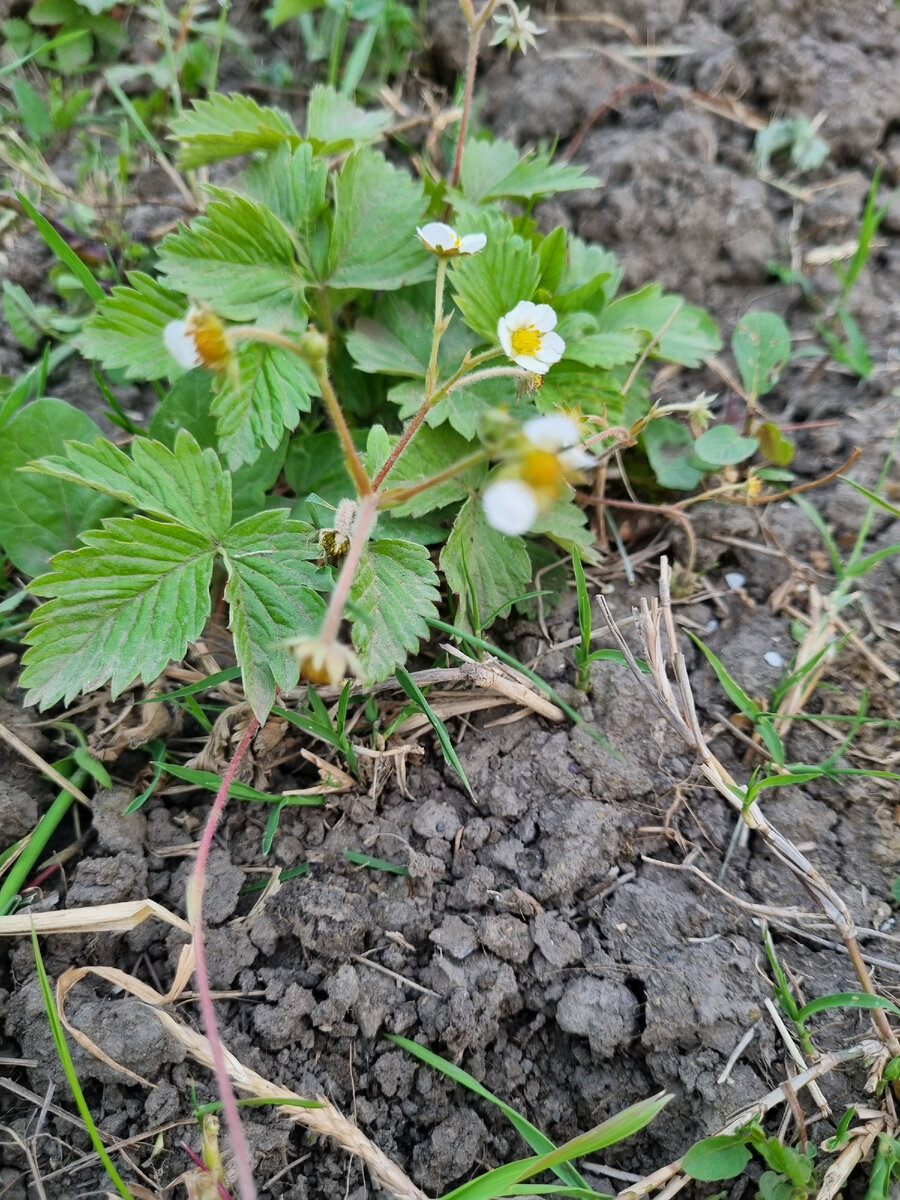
[(359, 537), (399, 495), (471, 66), (246, 1186)]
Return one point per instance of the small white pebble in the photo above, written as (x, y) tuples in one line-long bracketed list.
[(773, 658), (711, 625), (735, 580)]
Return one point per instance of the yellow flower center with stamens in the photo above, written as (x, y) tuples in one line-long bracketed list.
[(209, 337), (541, 470), (526, 340)]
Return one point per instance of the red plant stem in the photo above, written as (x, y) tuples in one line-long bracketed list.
[(246, 1186)]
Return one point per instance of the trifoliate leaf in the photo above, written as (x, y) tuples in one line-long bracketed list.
[(126, 330), (394, 594), (271, 388), (479, 559), (226, 126), (373, 240), (489, 284), (335, 124), (40, 516), (186, 484), (484, 164), (292, 185), (430, 451), (237, 257), (272, 598), (122, 607), (761, 346)]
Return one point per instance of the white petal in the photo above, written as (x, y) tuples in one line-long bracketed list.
[(577, 459), (522, 314), (543, 318), (438, 236), (472, 243), (553, 433), (510, 506), (552, 348), (504, 334), (528, 363), (181, 345)]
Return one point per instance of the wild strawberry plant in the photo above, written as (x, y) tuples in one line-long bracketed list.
[(403, 383)]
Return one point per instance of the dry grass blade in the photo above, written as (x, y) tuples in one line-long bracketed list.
[(676, 703), (494, 675), (104, 918), (326, 1120), (44, 767)]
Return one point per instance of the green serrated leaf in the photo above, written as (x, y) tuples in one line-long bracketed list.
[(335, 124), (489, 284), (373, 240), (761, 346), (293, 186), (185, 484), (497, 565), (122, 607), (126, 330), (237, 257), (492, 170), (604, 350), (41, 516), (433, 450), (590, 280), (272, 597), (394, 594), (572, 385), (226, 126), (566, 524), (270, 390)]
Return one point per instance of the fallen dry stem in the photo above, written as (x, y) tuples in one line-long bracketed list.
[(676, 703)]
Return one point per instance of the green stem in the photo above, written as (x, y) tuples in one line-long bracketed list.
[(359, 537), (46, 827), (395, 496), (439, 326), (490, 373)]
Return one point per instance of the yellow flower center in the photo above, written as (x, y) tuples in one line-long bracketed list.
[(526, 340), (209, 338), (541, 470)]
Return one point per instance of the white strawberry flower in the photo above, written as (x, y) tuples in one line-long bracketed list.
[(444, 241), (199, 340), (547, 456), (510, 506), (527, 337), (515, 29)]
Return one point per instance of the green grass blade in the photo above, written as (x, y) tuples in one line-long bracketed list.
[(157, 750), (377, 864), (63, 250), (813, 514), (876, 499), (190, 689), (237, 791), (416, 694), (44, 830), (68, 1066), (734, 691), (53, 44), (847, 1000), (498, 1182), (530, 1133)]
